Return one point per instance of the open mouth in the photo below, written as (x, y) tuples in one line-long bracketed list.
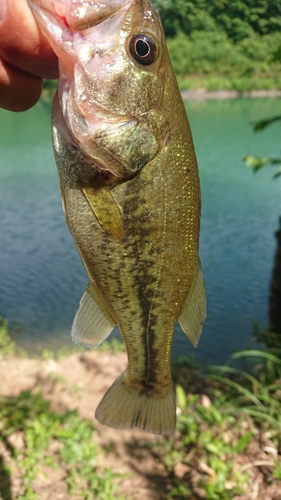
[(77, 15)]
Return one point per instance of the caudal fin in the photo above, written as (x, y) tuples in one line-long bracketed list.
[(124, 407)]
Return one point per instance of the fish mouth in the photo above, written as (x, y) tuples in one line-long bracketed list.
[(105, 167), (77, 15), (119, 144)]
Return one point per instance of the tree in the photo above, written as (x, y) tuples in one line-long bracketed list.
[(239, 19)]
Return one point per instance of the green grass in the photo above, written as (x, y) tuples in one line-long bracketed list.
[(207, 441), (50, 439), (7, 347), (115, 346), (225, 418), (53, 440)]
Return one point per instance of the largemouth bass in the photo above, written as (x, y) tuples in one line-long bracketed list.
[(130, 193)]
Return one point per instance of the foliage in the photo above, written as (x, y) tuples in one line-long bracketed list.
[(257, 162), (49, 439), (6, 345), (203, 53), (49, 88), (228, 423), (221, 422), (231, 45), (213, 52), (114, 345), (230, 40), (239, 19), (258, 396)]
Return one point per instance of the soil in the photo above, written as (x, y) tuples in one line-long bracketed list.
[(78, 381)]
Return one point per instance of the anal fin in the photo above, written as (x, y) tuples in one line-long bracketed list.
[(193, 313), (106, 211), (92, 323)]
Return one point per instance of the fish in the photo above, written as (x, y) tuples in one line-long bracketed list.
[(130, 193)]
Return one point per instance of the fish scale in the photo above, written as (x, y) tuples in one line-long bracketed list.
[(131, 196)]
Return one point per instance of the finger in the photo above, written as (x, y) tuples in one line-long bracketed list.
[(19, 91), (22, 44)]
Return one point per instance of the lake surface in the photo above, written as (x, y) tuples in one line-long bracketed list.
[(42, 278)]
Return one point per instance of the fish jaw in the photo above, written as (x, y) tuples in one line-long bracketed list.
[(98, 79), (78, 14), (65, 21)]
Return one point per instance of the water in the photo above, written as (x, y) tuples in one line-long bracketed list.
[(42, 278)]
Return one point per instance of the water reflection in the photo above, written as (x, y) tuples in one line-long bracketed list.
[(42, 278)]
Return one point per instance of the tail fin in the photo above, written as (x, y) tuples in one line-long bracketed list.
[(124, 406)]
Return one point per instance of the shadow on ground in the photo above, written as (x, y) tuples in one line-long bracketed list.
[(5, 482)]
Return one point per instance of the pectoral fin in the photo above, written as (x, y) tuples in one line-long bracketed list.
[(193, 313), (106, 211), (92, 323)]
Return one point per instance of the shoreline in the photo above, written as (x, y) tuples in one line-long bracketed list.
[(201, 94), (75, 383)]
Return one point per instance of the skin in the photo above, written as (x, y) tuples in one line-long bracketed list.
[(132, 202), (26, 57)]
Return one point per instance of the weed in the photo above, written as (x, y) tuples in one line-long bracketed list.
[(226, 421), (7, 347), (258, 396), (231, 413), (56, 440), (115, 345), (180, 491)]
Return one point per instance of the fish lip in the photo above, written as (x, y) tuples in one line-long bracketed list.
[(78, 15), (42, 6)]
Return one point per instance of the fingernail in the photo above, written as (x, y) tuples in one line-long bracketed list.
[(3, 9)]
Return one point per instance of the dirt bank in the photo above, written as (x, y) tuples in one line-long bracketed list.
[(78, 381), (202, 94)]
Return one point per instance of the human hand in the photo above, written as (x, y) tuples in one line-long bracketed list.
[(26, 57)]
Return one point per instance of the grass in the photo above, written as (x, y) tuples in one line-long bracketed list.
[(46, 440), (50, 440), (228, 434), (115, 346), (225, 426), (7, 347)]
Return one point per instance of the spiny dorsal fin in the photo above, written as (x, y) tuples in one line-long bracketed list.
[(92, 323), (106, 211), (193, 313)]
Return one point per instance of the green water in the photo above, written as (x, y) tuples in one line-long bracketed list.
[(42, 278)]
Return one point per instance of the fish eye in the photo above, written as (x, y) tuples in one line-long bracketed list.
[(143, 49)]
